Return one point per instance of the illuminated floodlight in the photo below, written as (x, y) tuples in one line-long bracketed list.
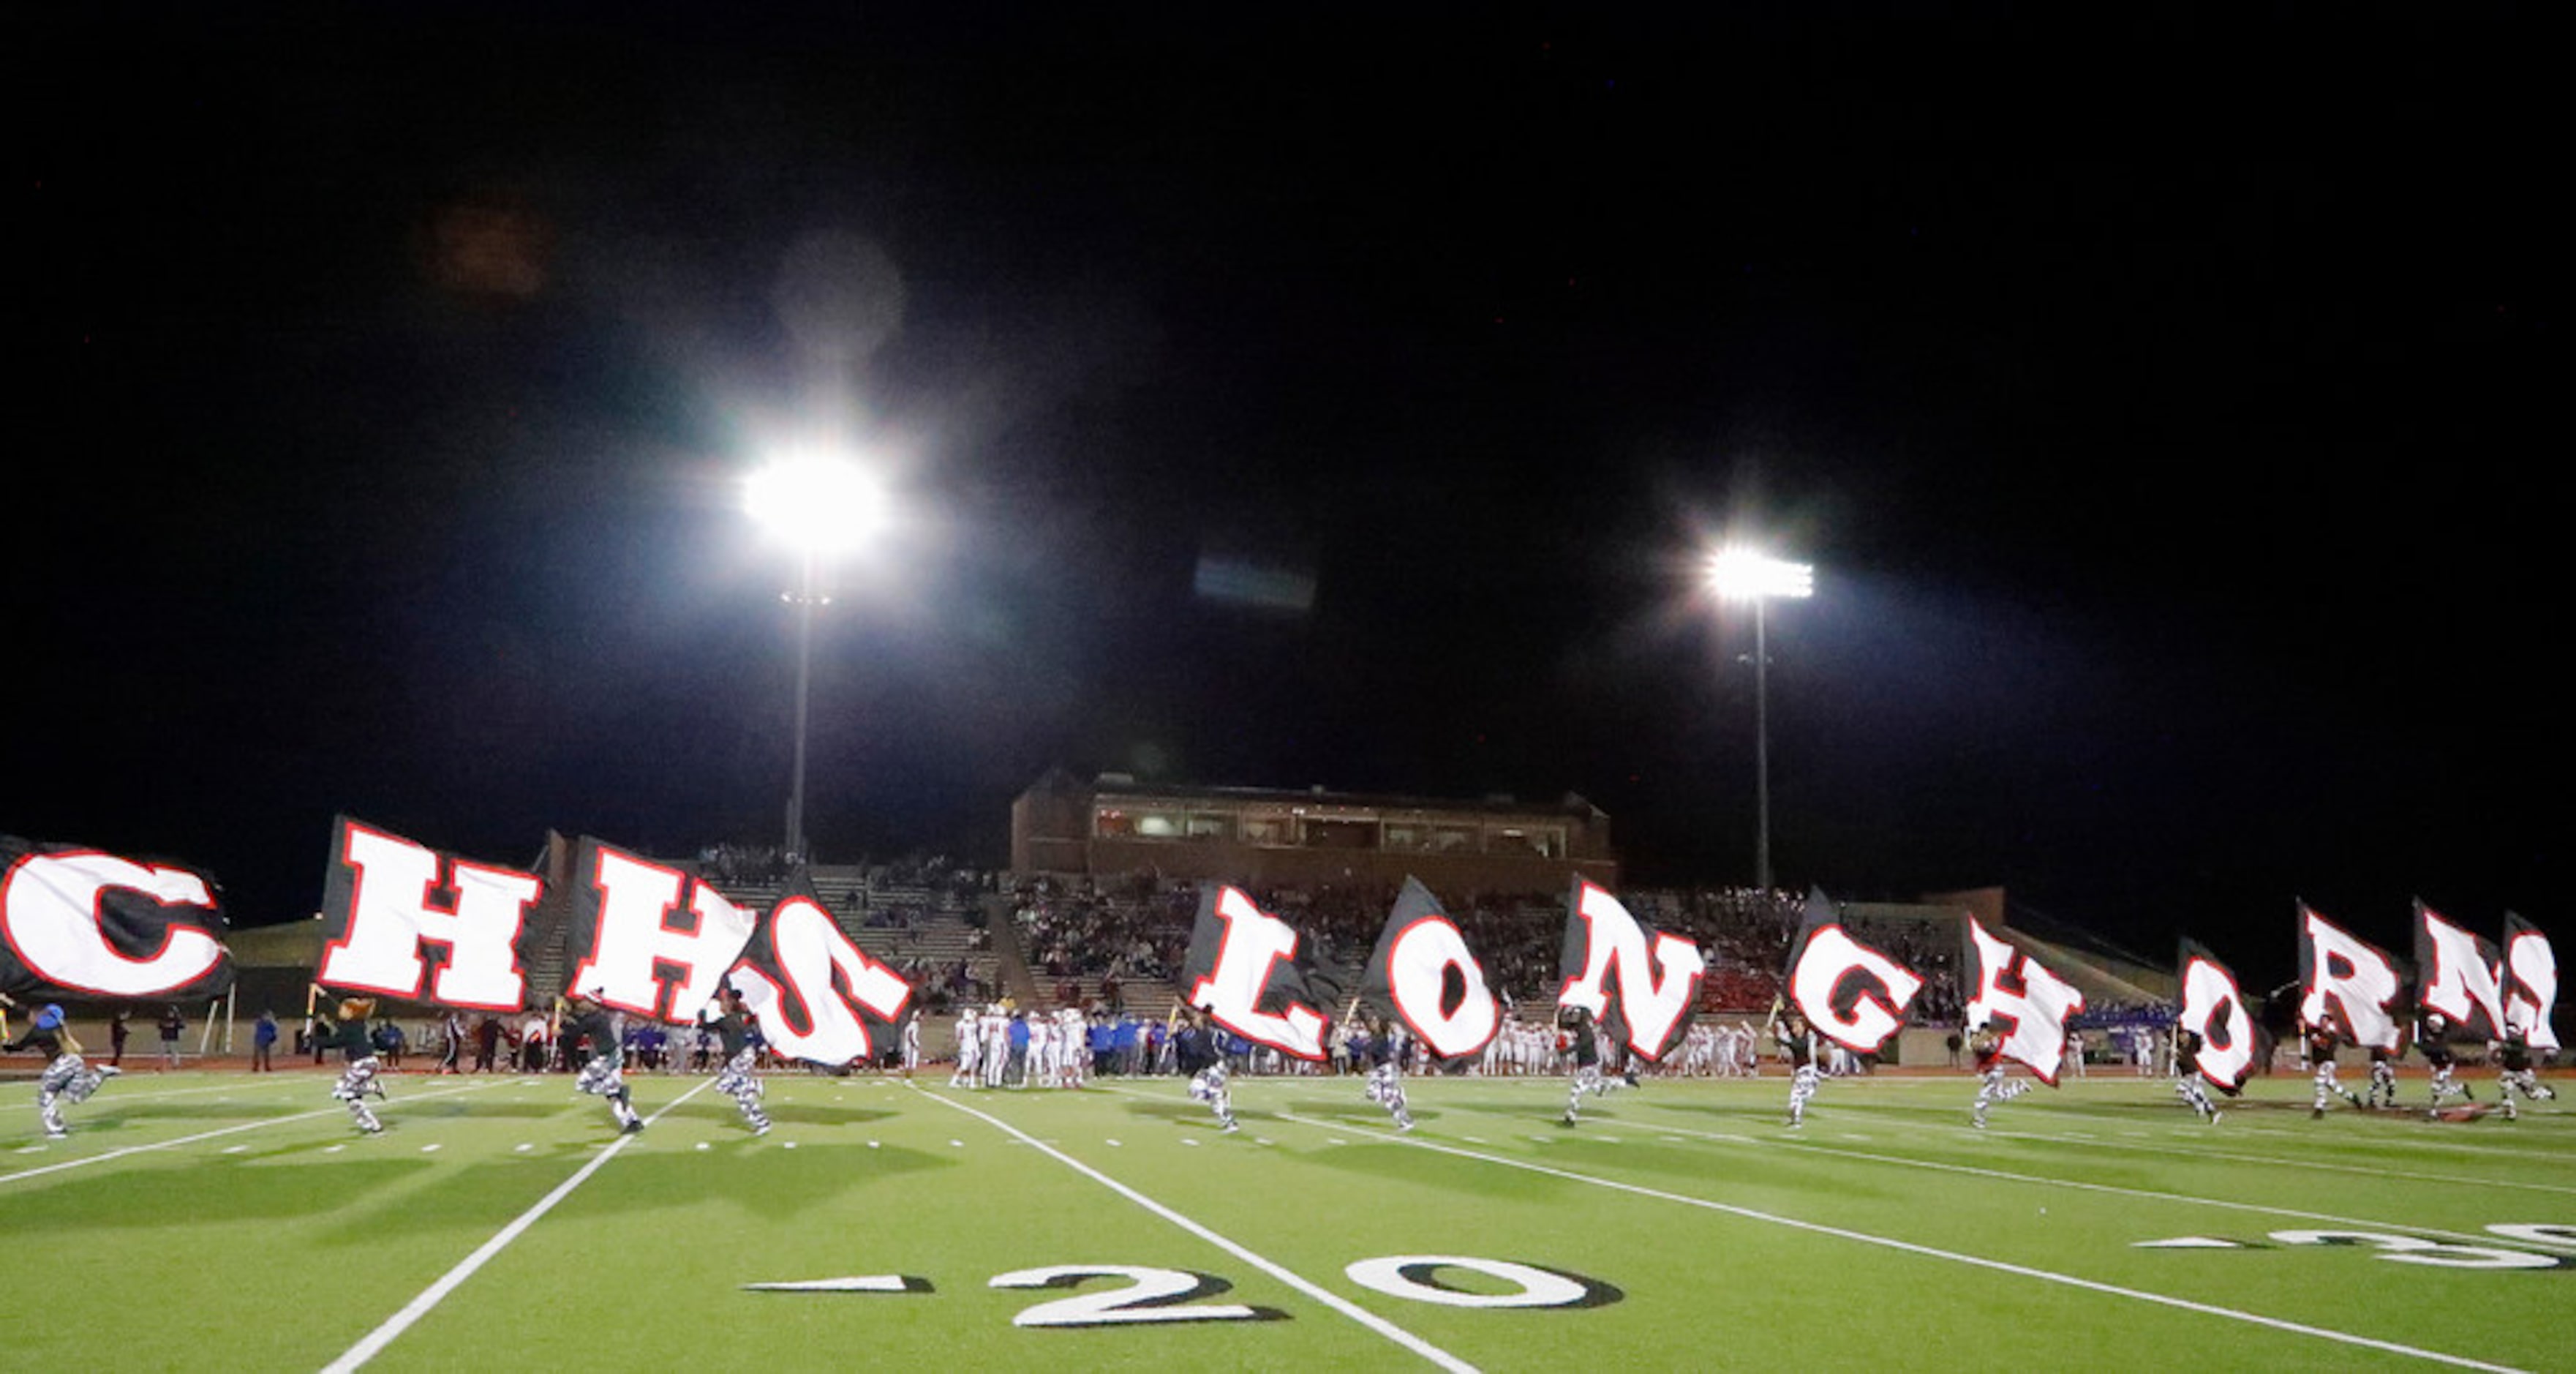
[(819, 505), (1741, 574)]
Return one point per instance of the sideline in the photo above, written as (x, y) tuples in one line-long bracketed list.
[(1928, 1251), (395, 1105), (374, 1342), (1359, 1314)]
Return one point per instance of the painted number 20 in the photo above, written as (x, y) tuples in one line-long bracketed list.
[(1168, 1295)]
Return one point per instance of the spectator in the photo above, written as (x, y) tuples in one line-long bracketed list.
[(263, 1040), (171, 1027)]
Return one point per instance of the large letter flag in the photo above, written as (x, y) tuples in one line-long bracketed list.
[(1854, 994), (1639, 982)]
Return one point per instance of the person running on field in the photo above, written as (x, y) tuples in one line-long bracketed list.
[(66, 1076), (736, 1080), (2433, 1037), (1588, 1077), (1797, 1041), (1993, 1083), (2514, 1073), (2189, 1084), (1199, 1058), (2324, 1037), (603, 1073), (345, 1027), (1386, 1075)]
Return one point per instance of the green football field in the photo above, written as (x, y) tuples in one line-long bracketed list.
[(217, 1221)]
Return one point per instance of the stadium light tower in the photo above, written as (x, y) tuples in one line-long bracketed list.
[(820, 506), (1737, 573)]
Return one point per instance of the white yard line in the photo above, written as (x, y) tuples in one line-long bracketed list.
[(1347, 1308), (2080, 1185), (375, 1341), (1928, 1251), (222, 1132), (2283, 1161), (2402, 1131), (251, 1086)]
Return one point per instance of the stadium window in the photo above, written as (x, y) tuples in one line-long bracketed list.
[(1206, 826), (1110, 823), (1401, 836), (1324, 834), (1452, 839), (1158, 825), (1265, 830)]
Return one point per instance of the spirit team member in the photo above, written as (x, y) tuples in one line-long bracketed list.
[(1386, 1075), (736, 1079), (2514, 1073), (346, 1027), (2189, 1085), (66, 1075), (2433, 1037), (1588, 1077), (604, 1073), (1195, 1047), (1797, 1041), (1993, 1085), (2382, 1091), (2323, 1037)]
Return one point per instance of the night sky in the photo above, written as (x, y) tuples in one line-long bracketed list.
[(2167, 411)]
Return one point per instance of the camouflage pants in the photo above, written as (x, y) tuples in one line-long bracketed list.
[(1802, 1087), (737, 1081), (605, 1076), (2328, 1088), (1386, 1089), (1994, 1087), (68, 1077), (356, 1081), (1588, 1078), (1209, 1087)]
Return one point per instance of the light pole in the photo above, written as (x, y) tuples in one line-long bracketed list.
[(1737, 573), (819, 506)]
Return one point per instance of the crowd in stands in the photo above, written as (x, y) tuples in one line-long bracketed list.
[(1136, 928)]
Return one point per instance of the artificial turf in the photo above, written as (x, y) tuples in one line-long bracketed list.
[(212, 1221)]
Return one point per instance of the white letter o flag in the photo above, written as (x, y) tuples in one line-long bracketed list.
[(1393, 1276)]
